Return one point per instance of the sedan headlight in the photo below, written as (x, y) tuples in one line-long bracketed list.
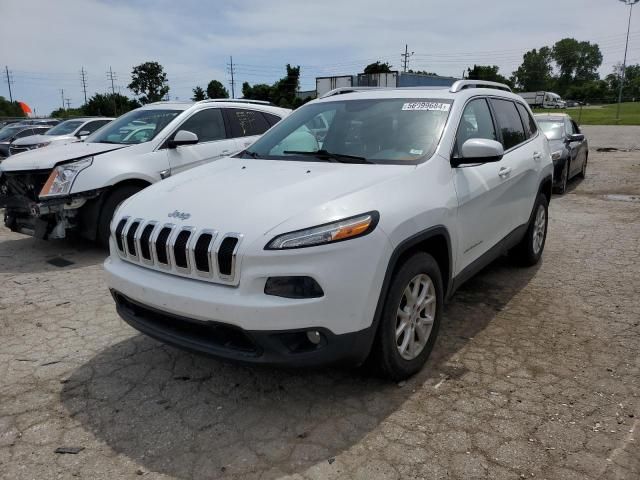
[(556, 155), (346, 229), (40, 145), (62, 177)]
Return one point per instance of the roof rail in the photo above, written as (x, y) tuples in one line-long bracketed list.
[(343, 90), (235, 100), (464, 84)]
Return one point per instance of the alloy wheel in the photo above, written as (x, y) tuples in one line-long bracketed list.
[(539, 228), (415, 316)]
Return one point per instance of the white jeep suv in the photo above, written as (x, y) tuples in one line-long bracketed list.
[(49, 191), (305, 252)]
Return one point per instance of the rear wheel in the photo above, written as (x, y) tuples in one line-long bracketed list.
[(111, 204), (410, 319), (529, 250)]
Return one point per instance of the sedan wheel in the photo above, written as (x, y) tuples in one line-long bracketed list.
[(539, 229)]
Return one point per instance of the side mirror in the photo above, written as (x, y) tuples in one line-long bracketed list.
[(479, 150), (83, 133), (576, 137), (183, 137)]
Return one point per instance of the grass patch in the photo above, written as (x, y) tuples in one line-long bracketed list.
[(601, 114)]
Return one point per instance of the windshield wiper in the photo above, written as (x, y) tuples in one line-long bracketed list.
[(336, 157), (248, 153)]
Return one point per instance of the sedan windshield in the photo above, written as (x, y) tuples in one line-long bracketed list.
[(65, 128), (398, 130), (126, 129), (553, 129)]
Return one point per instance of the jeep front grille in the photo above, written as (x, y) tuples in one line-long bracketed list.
[(183, 251)]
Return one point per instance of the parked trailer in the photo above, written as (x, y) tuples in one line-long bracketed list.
[(543, 99)]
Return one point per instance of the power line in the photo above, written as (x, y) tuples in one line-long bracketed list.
[(83, 80)]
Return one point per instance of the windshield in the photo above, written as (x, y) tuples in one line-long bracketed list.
[(399, 131), (65, 128), (8, 132), (553, 129), (126, 129)]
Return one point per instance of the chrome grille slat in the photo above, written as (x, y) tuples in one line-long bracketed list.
[(144, 242)]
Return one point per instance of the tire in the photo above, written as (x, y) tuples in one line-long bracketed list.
[(583, 172), (113, 201), (528, 252), (564, 179), (386, 356)]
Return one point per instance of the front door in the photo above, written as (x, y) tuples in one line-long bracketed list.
[(213, 141)]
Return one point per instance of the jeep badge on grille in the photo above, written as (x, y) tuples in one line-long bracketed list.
[(180, 215)]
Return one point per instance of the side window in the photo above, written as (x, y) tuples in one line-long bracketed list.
[(271, 119), (509, 122), (207, 124), (527, 120), (245, 123), (92, 126), (476, 122), (568, 125), (576, 128), (24, 133)]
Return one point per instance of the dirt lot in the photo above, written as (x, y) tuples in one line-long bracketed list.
[(536, 373)]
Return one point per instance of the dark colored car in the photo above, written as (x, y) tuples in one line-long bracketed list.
[(12, 132), (569, 148)]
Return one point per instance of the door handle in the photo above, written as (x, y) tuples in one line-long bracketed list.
[(504, 172), (537, 155), (225, 152)]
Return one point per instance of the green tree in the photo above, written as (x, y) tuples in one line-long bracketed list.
[(631, 90), (535, 71), (198, 94), (423, 72), (577, 62), (10, 109), (109, 105), (260, 91), (67, 112), (215, 89), (282, 93), (486, 72), (378, 67), (149, 82)]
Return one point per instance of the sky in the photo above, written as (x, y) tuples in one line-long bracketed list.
[(46, 43)]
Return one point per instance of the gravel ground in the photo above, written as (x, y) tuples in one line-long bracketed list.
[(536, 373)]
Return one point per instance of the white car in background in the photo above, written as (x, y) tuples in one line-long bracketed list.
[(65, 132), (51, 191)]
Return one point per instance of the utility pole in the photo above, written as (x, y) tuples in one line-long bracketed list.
[(68, 102), (83, 80), (9, 82), (62, 97), (631, 3), (233, 83), (111, 75), (405, 58)]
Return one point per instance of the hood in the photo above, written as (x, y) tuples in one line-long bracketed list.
[(252, 197), (36, 139), (46, 158)]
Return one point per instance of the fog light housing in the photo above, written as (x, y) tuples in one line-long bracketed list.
[(314, 336), (293, 287)]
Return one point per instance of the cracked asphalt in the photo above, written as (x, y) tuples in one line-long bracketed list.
[(536, 373)]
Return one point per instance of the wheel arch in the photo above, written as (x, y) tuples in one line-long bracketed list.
[(546, 187), (91, 212)]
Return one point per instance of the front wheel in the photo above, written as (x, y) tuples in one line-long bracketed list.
[(564, 179), (109, 207), (529, 250), (410, 319), (583, 172)]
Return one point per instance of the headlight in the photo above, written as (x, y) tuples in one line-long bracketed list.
[(40, 145), (62, 177), (346, 229), (556, 155)]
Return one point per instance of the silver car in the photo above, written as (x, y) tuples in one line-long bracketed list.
[(65, 132)]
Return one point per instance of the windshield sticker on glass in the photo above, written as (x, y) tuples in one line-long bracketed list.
[(415, 151), (431, 106)]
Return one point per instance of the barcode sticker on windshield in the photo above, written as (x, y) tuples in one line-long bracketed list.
[(432, 106)]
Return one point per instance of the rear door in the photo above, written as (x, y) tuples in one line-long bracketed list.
[(214, 141), (247, 125)]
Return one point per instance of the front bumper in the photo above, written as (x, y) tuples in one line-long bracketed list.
[(280, 348), (558, 165)]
